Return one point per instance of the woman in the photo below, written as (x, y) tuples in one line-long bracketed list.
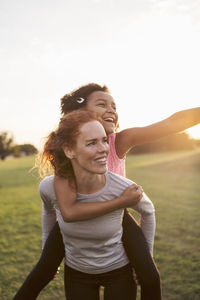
[(95, 255)]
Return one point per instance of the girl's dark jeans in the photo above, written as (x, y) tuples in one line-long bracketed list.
[(140, 258), (136, 249)]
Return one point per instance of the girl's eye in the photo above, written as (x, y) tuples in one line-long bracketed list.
[(101, 104)]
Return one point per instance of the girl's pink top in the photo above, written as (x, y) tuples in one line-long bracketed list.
[(115, 164)]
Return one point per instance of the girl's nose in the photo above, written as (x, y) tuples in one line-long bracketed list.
[(110, 109)]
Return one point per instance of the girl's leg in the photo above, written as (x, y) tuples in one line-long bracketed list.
[(141, 260), (120, 285), (45, 269), (80, 285)]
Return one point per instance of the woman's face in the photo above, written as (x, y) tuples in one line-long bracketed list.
[(104, 104), (91, 150)]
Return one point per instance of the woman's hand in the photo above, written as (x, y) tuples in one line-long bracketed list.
[(57, 272), (135, 277), (132, 195)]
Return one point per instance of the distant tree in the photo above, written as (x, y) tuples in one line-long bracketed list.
[(16, 151), (6, 144), (27, 149), (175, 142)]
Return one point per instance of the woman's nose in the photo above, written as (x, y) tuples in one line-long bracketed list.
[(103, 147)]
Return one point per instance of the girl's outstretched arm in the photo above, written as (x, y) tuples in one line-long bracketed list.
[(128, 138), (73, 211)]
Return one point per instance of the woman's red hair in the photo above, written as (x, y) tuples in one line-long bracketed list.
[(65, 135)]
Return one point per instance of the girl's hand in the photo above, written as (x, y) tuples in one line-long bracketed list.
[(132, 195)]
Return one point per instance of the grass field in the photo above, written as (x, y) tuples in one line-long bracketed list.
[(171, 180)]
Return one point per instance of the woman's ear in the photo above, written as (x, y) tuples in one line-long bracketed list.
[(68, 152)]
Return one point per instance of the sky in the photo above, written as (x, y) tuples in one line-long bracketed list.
[(145, 51)]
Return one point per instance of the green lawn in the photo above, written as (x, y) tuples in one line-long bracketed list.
[(171, 180)]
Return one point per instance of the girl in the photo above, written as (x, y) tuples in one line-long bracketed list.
[(98, 99)]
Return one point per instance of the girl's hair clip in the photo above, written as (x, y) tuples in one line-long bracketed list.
[(80, 100)]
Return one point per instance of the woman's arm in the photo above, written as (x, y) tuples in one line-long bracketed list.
[(128, 138), (76, 211), (48, 221), (48, 210), (147, 221)]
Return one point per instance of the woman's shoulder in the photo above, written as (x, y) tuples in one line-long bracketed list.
[(118, 179), (46, 186)]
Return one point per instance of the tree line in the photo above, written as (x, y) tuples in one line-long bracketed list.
[(9, 147), (175, 142)]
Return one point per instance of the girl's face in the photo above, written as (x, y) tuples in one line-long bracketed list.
[(90, 153), (104, 104)]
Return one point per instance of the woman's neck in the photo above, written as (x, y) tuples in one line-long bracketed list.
[(89, 183)]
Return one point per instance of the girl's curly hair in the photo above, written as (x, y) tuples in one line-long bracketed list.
[(70, 102)]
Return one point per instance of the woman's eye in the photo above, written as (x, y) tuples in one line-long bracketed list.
[(105, 140), (91, 143)]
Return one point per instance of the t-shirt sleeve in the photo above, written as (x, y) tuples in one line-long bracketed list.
[(46, 191), (147, 221)]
